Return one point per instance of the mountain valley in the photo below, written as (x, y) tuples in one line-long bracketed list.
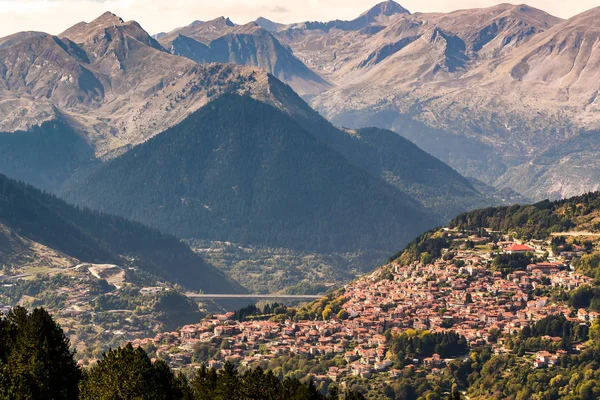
[(212, 212), (116, 93)]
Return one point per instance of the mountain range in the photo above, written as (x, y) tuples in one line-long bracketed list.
[(506, 94), (258, 178), (224, 42), (493, 92), (81, 109)]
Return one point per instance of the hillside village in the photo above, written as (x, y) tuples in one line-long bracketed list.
[(458, 292)]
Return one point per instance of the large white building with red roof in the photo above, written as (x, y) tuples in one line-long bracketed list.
[(518, 249)]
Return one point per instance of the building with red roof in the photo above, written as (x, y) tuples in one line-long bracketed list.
[(518, 249)]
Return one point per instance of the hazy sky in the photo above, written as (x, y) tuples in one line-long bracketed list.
[(54, 16)]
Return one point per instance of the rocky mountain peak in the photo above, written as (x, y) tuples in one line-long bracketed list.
[(202, 31), (84, 31), (20, 37), (221, 21), (532, 16), (267, 24), (108, 18), (386, 8), (110, 34)]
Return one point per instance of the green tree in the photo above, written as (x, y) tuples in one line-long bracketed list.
[(128, 374), (35, 359), (426, 258), (228, 383), (343, 314), (354, 396), (204, 383), (595, 331)]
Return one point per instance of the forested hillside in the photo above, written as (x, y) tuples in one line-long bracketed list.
[(45, 156), (393, 159), (242, 171), (537, 220), (95, 237), (580, 214)]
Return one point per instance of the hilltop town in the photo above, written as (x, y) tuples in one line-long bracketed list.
[(467, 291)]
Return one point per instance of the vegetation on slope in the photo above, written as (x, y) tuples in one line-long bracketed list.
[(272, 270), (536, 221), (95, 237), (576, 376), (393, 159), (46, 156), (242, 171)]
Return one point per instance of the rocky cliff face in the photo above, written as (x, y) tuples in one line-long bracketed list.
[(222, 41), (112, 82), (486, 90)]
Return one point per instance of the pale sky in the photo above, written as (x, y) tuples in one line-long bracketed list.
[(54, 16)]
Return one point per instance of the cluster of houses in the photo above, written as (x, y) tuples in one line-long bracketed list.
[(461, 294)]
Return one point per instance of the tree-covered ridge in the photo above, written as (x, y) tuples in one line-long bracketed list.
[(537, 221), (525, 222), (45, 156), (240, 170), (96, 237), (393, 159), (36, 363)]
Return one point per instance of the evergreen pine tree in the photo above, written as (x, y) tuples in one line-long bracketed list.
[(35, 358), (204, 383), (228, 384), (127, 373)]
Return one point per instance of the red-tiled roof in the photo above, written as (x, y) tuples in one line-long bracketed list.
[(518, 247)]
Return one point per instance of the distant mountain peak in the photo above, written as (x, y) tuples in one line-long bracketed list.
[(219, 21), (82, 31), (21, 36), (267, 24), (107, 19), (386, 8), (109, 26)]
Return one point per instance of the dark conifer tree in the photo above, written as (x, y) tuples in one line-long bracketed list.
[(228, 384), (127, 373), (204, 383), (35, 358)]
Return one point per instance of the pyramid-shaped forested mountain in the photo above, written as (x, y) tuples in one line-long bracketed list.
[(244, 171)]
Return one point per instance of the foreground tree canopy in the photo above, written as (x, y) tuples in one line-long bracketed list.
[(35, 359)]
